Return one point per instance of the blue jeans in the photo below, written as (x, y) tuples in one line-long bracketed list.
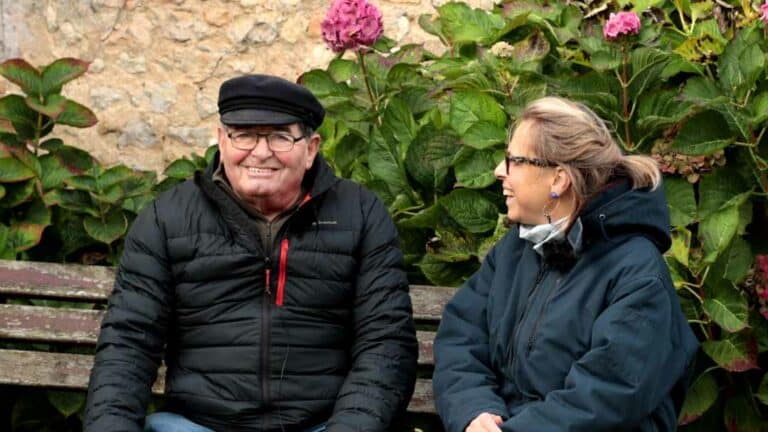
[(170, 422)]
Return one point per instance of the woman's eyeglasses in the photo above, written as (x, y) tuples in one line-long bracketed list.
[(520, 160)]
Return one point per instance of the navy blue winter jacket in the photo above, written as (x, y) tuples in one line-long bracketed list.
[(598, 344)]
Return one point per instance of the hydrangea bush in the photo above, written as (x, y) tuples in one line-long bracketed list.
[(684, 82)]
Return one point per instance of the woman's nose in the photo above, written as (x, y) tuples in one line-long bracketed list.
[(500, 172)]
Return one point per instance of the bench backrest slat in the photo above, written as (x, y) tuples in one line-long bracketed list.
[(46, 324), (57, 281), (429, 301), (81, 282)]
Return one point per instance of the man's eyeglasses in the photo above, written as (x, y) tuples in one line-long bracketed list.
[(276, 141), (520, 160)]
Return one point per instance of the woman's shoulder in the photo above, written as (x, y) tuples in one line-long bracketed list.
[(635, 259), (509, 244)]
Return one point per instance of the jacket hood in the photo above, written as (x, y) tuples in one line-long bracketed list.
[(620, 211)]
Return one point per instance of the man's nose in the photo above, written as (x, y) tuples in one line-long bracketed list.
[(261, 149)]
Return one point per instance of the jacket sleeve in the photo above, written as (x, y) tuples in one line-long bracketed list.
[(635, 357), (133, 332), (464, 382), (384, 352)]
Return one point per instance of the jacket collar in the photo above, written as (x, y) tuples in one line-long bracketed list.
[(318, 180)]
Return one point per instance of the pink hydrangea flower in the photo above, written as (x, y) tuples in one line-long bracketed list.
[(622, 23), (764, 9), (763, 293), (350, 24), (762, 264)]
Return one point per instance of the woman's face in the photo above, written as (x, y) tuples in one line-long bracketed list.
[(526, 187)]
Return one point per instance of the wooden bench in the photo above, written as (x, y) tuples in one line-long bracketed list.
[(86, 289)]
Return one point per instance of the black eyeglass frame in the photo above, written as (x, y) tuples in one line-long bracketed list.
[(266, 136), (509, 159)]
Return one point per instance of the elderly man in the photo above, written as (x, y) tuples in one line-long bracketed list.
[(274, 289)]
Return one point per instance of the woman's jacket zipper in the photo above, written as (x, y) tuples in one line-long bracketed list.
[(532, 337), (539, 277)]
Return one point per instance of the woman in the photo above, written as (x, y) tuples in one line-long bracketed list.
[(572, 322)]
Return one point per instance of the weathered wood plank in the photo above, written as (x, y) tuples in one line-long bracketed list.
[(59, 281), (44, 324), (426, 341), (71, 371), (422, 400), (65, 325), (429, 301), (82, 282), (54, 370)]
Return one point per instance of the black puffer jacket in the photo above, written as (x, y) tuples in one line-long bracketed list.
[(316, 325)]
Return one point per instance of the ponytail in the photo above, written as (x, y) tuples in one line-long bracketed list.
[(642, 170)]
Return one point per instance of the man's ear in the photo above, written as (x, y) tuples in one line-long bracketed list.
[(222, 135), (313, 147)]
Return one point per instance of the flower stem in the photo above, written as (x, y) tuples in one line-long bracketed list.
[(694, 293), (38, 133), (625, 98), (374, 104)]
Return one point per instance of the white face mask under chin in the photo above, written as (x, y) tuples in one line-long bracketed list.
[(539, 235)]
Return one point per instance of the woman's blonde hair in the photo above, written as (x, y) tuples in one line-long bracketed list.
[(572, 136)]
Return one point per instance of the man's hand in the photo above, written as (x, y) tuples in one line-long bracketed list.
[(485, 422)]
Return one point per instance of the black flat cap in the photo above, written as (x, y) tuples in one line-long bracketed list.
[(267, 100)]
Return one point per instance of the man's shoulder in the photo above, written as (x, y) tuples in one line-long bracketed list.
[(184, 198), (347, 189), (183, 190)]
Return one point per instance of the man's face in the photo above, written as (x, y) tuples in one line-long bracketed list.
[(269, 180)]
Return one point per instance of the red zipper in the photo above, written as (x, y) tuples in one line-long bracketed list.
[(282, 272), (306, 199), (284, 262)]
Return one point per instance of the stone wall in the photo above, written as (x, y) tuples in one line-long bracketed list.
[(157, 64)]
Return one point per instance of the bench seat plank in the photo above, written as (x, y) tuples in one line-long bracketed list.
[(71, 371)]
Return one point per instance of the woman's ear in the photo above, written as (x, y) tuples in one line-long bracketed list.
[(561, 183)]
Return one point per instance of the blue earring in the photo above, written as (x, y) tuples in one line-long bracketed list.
[(554, 195)]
